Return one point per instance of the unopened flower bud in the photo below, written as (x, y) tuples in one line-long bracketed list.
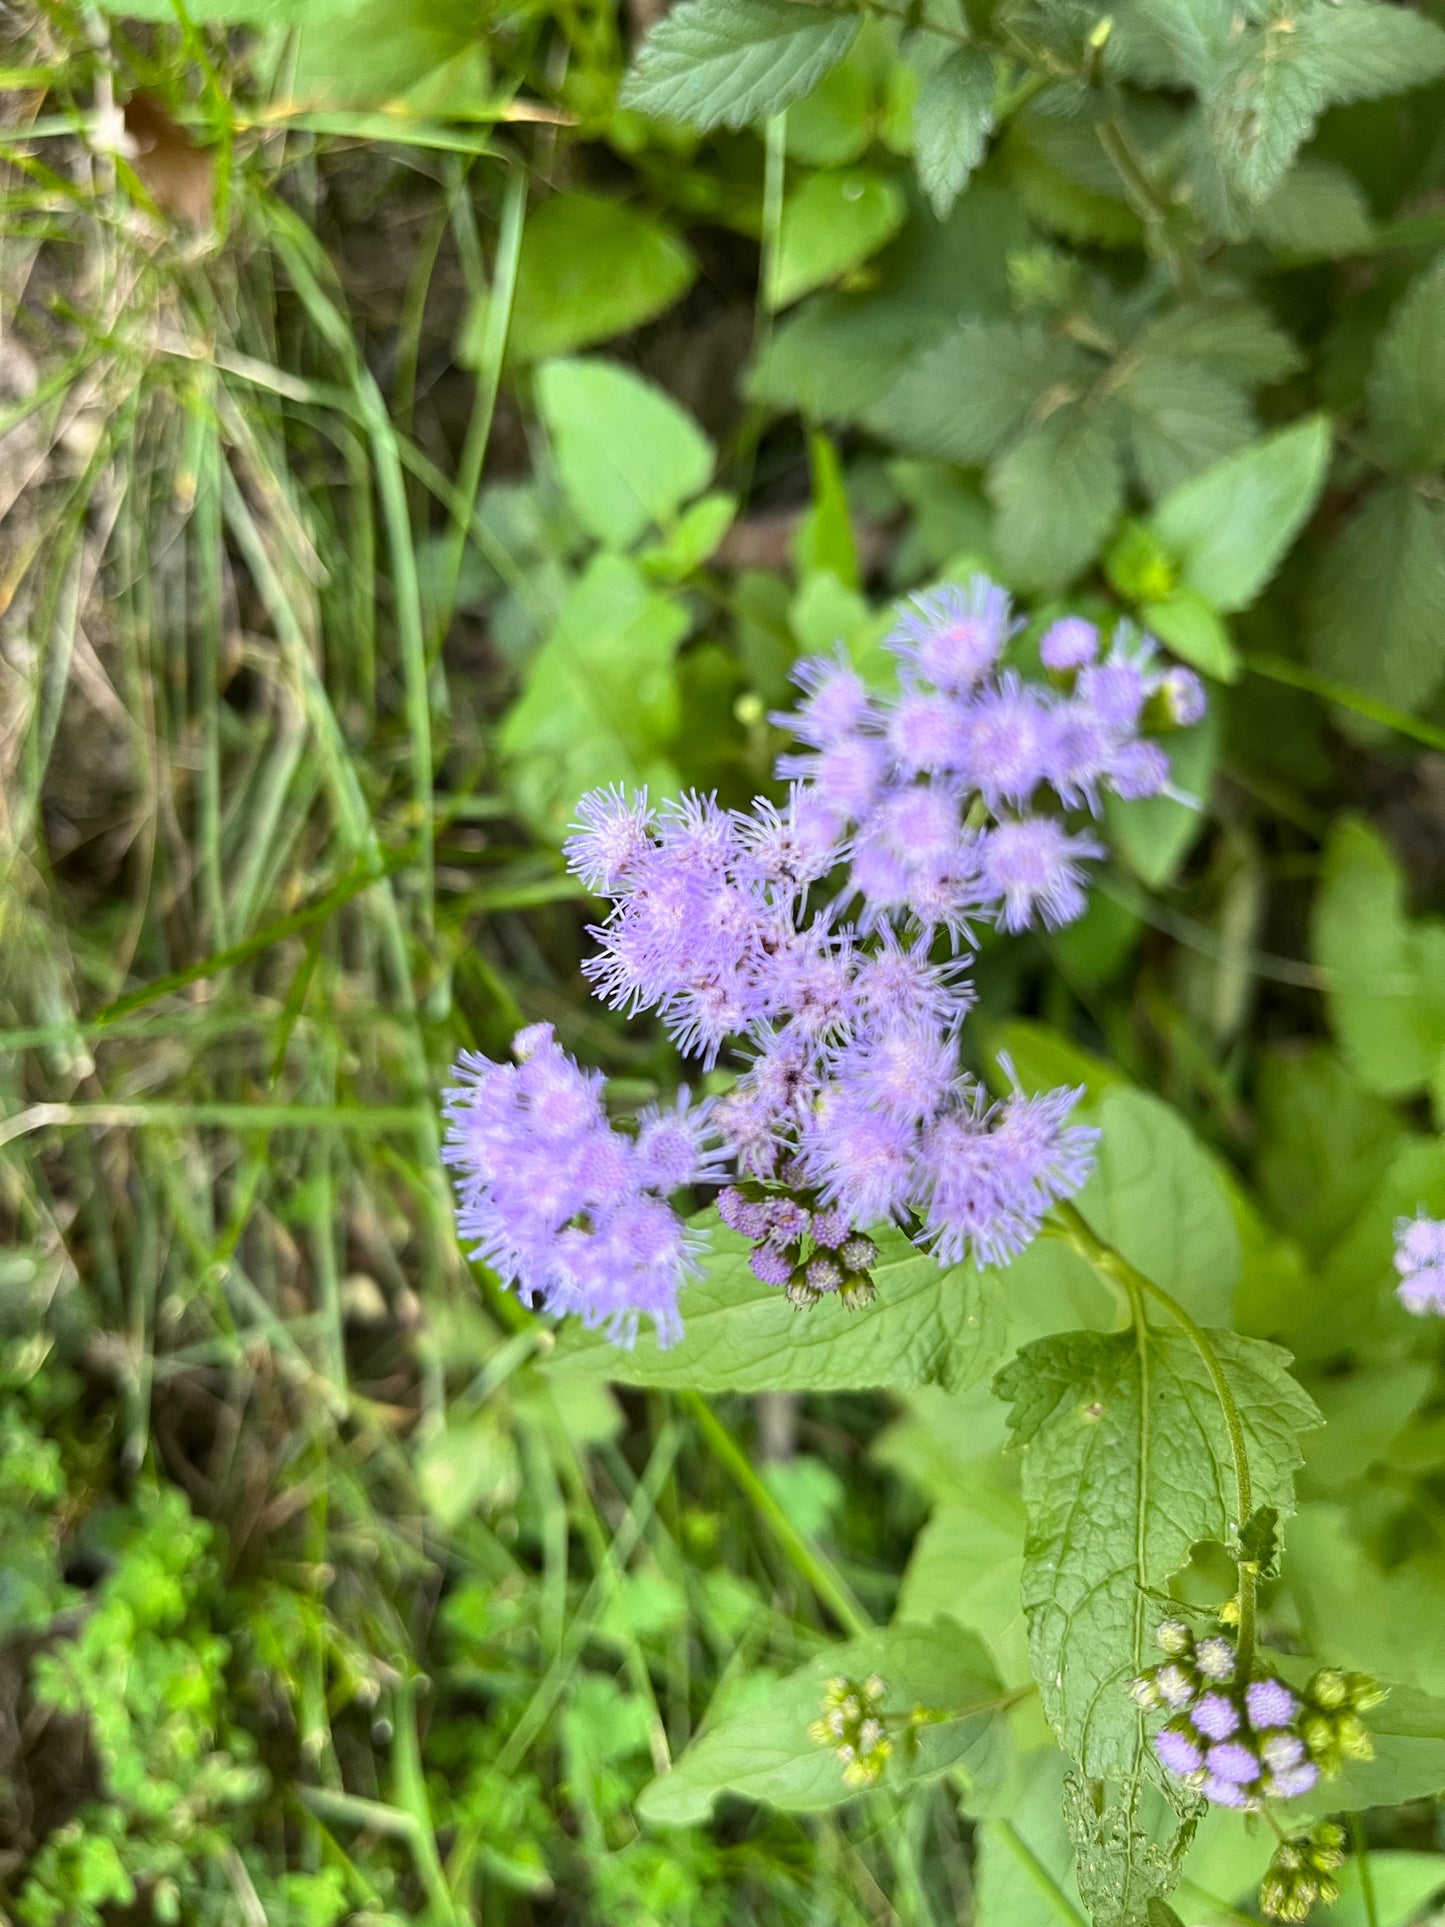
[(1328, 1688), (857, 1291), (1174, 1637), (1215, 1658), (858, 1253)]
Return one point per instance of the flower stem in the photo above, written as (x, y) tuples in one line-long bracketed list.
[(1113, 1265)]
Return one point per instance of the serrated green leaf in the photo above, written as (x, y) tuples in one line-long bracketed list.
[(1374, 602), (1317, 213), (1063, 204), (1407, 388), (1325, 1141), (1122, 1871), (1154, 1195), (966, 1564), (1126, 1466), (764, 1753), (627, 455), (952, 120), (927, 1325), (591, 268), (728, 62), (1360, 50), (1231, 526), (1194, 632), (1168, 43), (1057, 493), (832, 222), (600, 704), (1183, 416), (1238, 338), (965, 396)]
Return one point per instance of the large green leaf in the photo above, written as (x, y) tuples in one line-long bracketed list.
[(832, 222), (591, 268), (728, 62), (1384, 976), (763, 1751), (964, 397), (1057, 493), (1407, 393), (627, 455), (926, 1325), (1230, 527), (1183, 417), (1155, 1196), (1317, 213), (1127, 1465), (600, 705), (1374, 603), (952, 120), (1325, 1139)]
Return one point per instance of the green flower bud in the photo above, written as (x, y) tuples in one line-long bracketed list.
[(1364, 1692), (856, 1291), (1328, 1688), (1172, 1636), (1352, 1737)]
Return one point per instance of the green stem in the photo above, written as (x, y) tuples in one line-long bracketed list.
[(1113, 1265), (828, 1584)]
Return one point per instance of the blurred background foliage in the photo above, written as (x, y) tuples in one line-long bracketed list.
[(407, 425)]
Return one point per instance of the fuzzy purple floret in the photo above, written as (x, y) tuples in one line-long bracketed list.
[(1420, 1261), (1215, 1716), (1269, 1702)]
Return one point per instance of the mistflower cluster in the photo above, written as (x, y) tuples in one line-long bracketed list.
[(947, 794), (852, 1726), (1420, 1261), (1302, 1873), (806, 1250), (819, 940), (1242, 1742), (562, 1205)]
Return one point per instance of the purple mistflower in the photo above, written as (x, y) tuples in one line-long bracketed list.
[(903, 1074), (969, 1204), (1184, 699), (610, 838), (1080, 752), (1420, 1261), (770, 1264), (1179, 1750), (831, 1229), (676, 1145), (562, 1207), (922, 731), (1269, 1702), (1070, 643), (823, 1273), (749, 1125), (1176, 1688), (900, 987), (1215, 1716), (859, 1160), (835, 704), (1030, 865), (1281, 1750), (1233, 1760), (697, 834), (1118, 688), (791, 847), (954, 636), (810, 983), (747, 1216), (787, 1221), (784, 1075), (1042, 1157), (1004, 742), (1224, 1793), (1293, 1781), (844, 778), (1138, 769)]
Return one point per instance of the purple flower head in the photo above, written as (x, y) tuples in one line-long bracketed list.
[(1423, 1292), (899, 987), (785, 1075), (967, 1203), (831, 1229), (810, 983), (823, 1273), (677, 1146), (954, 636), (1269, 1702), (749, 1125), (905, 1074), (1224, 1793), (791, 847), (697, 835), (1293, 1781), (611, 838), (1004, 742), (1030, 866), (787, 1221), (835, 704), (1179, 1750), (1042, 1157), (1138, 769), (844, 778), (861, 1161), (1281, 1750), (747, 1216), (1420, 1261), (1215, 1716), (1118, 688), (1184, 699), (922, 731), (771, 1264), (1070, 643), (1234, 1761), (564, 1209)]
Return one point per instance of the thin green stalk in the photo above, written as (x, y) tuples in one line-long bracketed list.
[(1295, 676), (1367, 1878), (810, 1561), (1112, 1264)]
